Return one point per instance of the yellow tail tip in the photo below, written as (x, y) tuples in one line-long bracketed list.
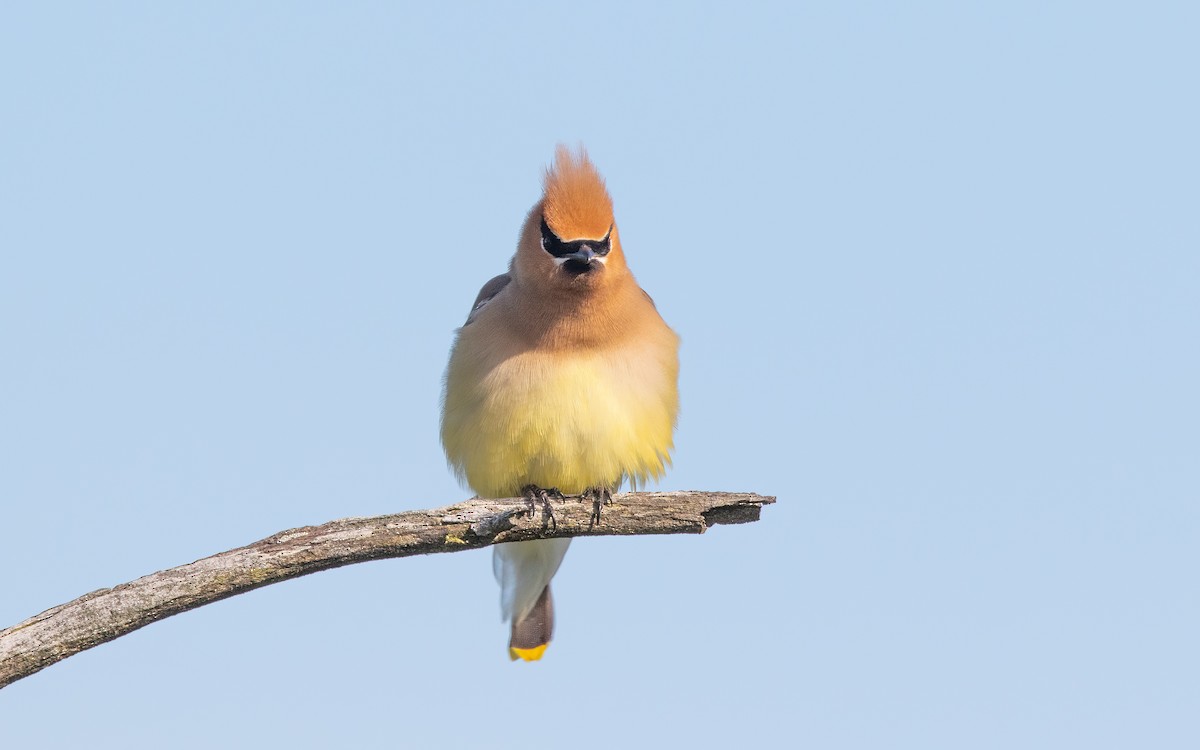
[(527, 654)]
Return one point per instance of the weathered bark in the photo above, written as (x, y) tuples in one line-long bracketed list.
[(106, 614)]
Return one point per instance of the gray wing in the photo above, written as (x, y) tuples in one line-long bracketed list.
[(487, 294)]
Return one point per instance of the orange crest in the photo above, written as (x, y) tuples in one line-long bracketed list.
[(576, 204)]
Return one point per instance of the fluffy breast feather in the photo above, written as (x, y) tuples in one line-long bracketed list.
[(566, 419)]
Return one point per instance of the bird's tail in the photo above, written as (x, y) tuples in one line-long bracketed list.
[(524, 570), (531, 634)]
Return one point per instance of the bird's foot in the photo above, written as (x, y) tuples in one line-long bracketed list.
[(535, 496), (600, 496)]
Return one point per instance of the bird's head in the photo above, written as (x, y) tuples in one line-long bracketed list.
[(570, 239)]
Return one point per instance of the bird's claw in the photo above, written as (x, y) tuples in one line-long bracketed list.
[(600, 496), (535, 496)]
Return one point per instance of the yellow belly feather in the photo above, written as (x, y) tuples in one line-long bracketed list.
[(567, 420)]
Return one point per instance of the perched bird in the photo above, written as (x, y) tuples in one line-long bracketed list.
[(562, 381)]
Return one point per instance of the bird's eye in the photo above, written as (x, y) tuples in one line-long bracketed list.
[(604, 245), (551, 243)]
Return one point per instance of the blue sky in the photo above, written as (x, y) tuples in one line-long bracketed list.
[(936, 268)]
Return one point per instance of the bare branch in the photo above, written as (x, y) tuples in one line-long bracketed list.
[(106, 614)]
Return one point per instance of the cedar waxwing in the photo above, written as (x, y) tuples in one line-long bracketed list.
[(562, 380)]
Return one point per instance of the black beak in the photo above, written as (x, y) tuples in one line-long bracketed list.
[(580, 261), (583, 255)]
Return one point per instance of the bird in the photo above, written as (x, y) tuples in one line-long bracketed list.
[(563, 381)]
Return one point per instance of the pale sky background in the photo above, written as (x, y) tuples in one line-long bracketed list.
[(936, 268)]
